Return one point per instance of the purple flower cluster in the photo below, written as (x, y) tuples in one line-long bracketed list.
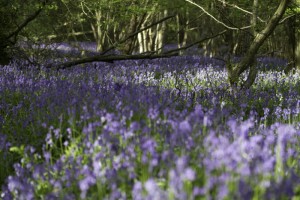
[(161, 129), (255, 157)]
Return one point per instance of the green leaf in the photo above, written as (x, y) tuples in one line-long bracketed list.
[(18, 150)]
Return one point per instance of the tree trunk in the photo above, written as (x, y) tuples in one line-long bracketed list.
[(297, 53), (254, 17), (181, 30), (98, 31), (248, 62), (143, 35), (292, 43), (129, 44), (110, 59), (141, 42), (160, 32)]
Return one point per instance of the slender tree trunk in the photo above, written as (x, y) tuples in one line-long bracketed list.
[(254, 17), (129, 44), (292, 43), (181, 30), (227, 48), (141, 43), (248, 62), (161, 28), (98, 31), (297, 53), (151, 34), (158, 35), (144, 38)]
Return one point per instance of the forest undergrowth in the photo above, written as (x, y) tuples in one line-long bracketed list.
[(159, 129)]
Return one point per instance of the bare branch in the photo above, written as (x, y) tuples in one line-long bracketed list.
[(15, 33), (241, 9), (287, 17), (109, 59), (215, 19)]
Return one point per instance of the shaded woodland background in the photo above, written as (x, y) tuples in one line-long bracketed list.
[(30, 27)]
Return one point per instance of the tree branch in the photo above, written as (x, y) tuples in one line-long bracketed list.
[(109, 59), (241, 9), (215, 19), (25, 23), (287, 17), (249, 60), (262, 36)]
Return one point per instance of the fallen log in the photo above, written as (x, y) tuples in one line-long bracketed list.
[(109, 59)]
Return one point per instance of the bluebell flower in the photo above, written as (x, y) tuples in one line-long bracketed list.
[(88, 181), (137, 191), (185, 126)]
